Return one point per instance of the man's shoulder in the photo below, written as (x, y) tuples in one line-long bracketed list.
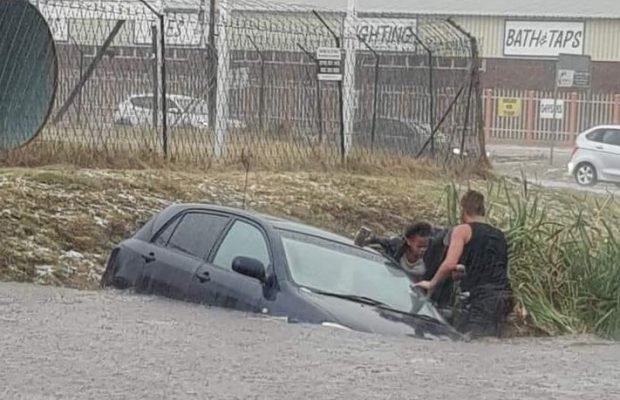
[(492, 232), (462, 230)]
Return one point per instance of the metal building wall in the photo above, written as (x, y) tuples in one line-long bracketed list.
[(603, 39)]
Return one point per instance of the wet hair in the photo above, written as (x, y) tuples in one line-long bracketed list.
[(472, 203), (422, 229)]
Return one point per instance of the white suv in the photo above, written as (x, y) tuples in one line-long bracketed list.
[(596, 156)]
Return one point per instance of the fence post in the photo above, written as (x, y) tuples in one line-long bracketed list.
[(617, 109), (162, 71), (348, 113), (530, 117), (572, 119), (488, 113), (221, 119), (155, 49)]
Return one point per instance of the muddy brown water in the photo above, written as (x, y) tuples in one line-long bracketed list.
[(66, 344)]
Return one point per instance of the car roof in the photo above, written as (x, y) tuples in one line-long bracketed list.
[(601, 127), (275, 222), (172, 96)]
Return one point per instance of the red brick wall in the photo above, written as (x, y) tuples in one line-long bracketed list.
[(539, 75)]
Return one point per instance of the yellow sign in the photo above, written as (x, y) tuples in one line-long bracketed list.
[(508, 107)]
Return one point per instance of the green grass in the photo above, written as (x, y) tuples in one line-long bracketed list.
[(564, 256)]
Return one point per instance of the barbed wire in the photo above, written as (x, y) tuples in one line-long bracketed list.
[(256, 83)]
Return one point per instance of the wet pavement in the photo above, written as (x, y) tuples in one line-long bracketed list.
[(64, 344), (539, 168)]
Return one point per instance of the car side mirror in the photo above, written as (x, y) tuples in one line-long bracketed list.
[(250, 267)]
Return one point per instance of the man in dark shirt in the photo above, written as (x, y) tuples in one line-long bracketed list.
[(483, 251)]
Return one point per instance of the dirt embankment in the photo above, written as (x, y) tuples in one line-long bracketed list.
[(57, 225)]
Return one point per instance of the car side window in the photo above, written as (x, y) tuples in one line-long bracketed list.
[(163, 237), (242, 240), (143, 102), (596, 136), (196, 233), (612, 137)]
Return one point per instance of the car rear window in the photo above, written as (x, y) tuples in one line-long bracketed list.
[(596, 136), (142, 102)]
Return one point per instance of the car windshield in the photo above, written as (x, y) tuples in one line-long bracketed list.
[(327, 266)]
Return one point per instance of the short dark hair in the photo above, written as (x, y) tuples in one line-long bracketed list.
[(423, 229), (472, 203)]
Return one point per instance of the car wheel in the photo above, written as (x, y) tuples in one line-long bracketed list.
[(585, 174)]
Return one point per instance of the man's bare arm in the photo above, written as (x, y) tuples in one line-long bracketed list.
[(460, 236)]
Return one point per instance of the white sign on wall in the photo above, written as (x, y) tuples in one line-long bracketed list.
[(330, 63), (546, 109), (566, 78), (182, 29), (59, 13), (543, 38), (395, 34)]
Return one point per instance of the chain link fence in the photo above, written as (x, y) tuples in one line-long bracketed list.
[(283, 82)]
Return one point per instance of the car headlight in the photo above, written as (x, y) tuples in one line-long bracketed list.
[(335, 325)]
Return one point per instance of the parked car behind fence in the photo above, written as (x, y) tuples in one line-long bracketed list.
[(181, 111), (596, 156)]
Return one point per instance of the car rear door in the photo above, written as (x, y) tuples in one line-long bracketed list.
[(174, 255), (215, 283), (611, 154)]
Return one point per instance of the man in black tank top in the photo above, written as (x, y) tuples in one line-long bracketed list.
[(483, 251)]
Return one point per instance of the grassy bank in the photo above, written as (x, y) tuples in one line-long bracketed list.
[(57, 226), (564, 256)]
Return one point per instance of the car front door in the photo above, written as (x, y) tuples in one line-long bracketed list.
[(611, 154), (175, 253), (215, 283)]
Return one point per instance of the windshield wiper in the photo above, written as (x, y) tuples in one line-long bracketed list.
[(372, 302), (352, 297)]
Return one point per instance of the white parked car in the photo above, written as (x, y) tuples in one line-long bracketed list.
[(182, 111), (596, 156)]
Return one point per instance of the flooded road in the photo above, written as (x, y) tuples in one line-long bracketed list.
[(64, 344)]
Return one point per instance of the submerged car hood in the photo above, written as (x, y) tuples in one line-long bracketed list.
[(374, 319)]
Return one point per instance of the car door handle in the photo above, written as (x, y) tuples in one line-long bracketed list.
[(204, 277), (149, 258)]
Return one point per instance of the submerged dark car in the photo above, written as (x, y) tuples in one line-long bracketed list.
[(250, 262)]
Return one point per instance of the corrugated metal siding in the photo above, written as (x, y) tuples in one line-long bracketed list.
[(602, 40), (488, 30)]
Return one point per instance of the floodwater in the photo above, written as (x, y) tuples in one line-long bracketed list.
[(65, 344)]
